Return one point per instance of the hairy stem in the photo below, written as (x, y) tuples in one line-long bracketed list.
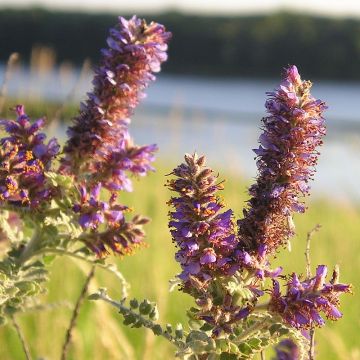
[(308, 275), (307, 250), (30, 247), (258, 326), (21, 338), (144, 321), (312, 344), (75, 314)]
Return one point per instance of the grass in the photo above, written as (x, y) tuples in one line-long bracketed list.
[(100, 334)]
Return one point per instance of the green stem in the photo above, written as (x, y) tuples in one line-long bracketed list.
[(30, 248), (75, 314), (250, 330), (144, 321), (21, 338), (312, 344)]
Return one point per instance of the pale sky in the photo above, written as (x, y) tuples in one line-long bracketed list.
[(323, 7)]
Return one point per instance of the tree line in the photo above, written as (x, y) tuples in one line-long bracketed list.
[(254, 46)]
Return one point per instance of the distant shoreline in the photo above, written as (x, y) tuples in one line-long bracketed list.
[(251, 46)]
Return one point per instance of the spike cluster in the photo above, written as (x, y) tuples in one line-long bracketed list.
[(226, 273), (24, 158), (285, 159)]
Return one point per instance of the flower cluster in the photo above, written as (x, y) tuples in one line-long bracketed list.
[(104, 223), (24, 158), (204, 234), (285, 159), (99, 142), (300, 307), (226, 272), (206, 241), (100, 151), (126, 158)]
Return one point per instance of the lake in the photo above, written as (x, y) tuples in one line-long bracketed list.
[(219, 118)]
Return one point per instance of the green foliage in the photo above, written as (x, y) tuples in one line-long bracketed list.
[(252, 336), (340, 221), (19, 285)]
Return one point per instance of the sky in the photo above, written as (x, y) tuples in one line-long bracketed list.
[(323, 7)]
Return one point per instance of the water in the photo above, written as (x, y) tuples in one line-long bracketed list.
[(220, 118)]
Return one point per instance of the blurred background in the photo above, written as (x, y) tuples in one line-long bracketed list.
[(209, 98)]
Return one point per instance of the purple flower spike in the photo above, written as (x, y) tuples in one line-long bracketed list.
[(99, 143), (202, 233), (286, 160), (305, 300)]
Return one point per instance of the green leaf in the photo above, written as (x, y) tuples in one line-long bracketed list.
[(10, 310), (197, 346), (222, 345), (206, 327), (227, 356), (274, 328), (95, 296), (25, 287), (59, 180), (195, 324), (145, 307), (255, 343), (134, 303), (264, 341), (137, 325), (245, 348), (169, 328), (157, 330), (179, 332), (129, 319), (197, 335), (283, 331), (11, 291), (48, 259)]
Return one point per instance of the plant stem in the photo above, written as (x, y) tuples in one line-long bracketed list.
[(254, 328), (21, 338), (307, 250), (30, 247), (75, 314), (144, 321), (308, 275), (312, 344), (262, 355)]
